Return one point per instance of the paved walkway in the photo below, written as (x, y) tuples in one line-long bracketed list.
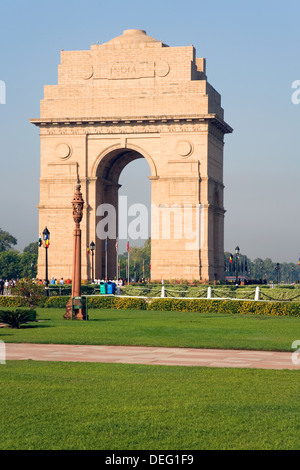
[(152, 355)]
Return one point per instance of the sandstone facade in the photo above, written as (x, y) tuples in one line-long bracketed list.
[(134, 97)]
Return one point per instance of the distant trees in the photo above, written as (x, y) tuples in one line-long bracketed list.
[(32, 248), (14, 264), (6, 241), (263, 269), (140, 260)]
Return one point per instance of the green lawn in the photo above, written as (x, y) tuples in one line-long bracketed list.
[(129, 407), (170, 329)]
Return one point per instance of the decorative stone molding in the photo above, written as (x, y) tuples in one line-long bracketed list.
[(63, 151), (184, 148)]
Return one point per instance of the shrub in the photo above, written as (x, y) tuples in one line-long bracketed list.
[(56, 302), (130, 304), (30, 292), (227, 306), (10, 301), (101, 302), (16, 318), (117, 303), (243, 307)]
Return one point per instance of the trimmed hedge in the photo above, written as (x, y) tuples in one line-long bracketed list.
[(177, 305), (10, 301), (227, 306)]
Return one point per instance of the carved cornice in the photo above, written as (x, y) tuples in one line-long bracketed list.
[(107, 125)]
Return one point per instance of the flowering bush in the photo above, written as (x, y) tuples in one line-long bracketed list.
[(30, 292)]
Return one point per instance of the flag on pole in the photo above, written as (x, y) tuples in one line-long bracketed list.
[(117, 259), (106, 259), (230, 263), (128, 273)]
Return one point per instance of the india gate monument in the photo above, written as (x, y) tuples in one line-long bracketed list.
[(134, 97)]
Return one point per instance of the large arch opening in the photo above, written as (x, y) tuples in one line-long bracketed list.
[(122, 190)]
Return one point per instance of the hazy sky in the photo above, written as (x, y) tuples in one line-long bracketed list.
[(253, 57)]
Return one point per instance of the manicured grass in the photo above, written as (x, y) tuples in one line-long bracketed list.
[(169, 329), (129, 407)]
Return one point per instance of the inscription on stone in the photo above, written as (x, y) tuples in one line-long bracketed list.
[(126, 70)]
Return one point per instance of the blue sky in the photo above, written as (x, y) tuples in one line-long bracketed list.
[(252, 52)]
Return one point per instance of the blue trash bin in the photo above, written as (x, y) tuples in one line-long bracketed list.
[(111, 288), (103, 288)]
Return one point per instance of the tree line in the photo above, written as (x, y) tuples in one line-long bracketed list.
[(260, 269), (15, 264)]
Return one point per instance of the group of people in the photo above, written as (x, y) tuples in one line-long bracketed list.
[(54, 282), (6, 286)]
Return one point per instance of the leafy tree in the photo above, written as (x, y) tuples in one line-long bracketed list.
[(28, 265), (32, 248), (15, 265), (10, 264), (6, 241)]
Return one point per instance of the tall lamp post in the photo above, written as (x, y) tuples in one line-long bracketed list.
[(277, 269), (292, 275), (92, 248), (237, 255), (46, 238), (77, 204)]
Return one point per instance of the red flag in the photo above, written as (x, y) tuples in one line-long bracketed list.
[(128, 247)]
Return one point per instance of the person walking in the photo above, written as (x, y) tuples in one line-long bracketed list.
[(6, 287)]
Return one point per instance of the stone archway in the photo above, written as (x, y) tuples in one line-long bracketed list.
[(130, 98), (107, 172)]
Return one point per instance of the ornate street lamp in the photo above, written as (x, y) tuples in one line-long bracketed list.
[(92, 248), (237, 255), (77, 204), (46, 239)]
